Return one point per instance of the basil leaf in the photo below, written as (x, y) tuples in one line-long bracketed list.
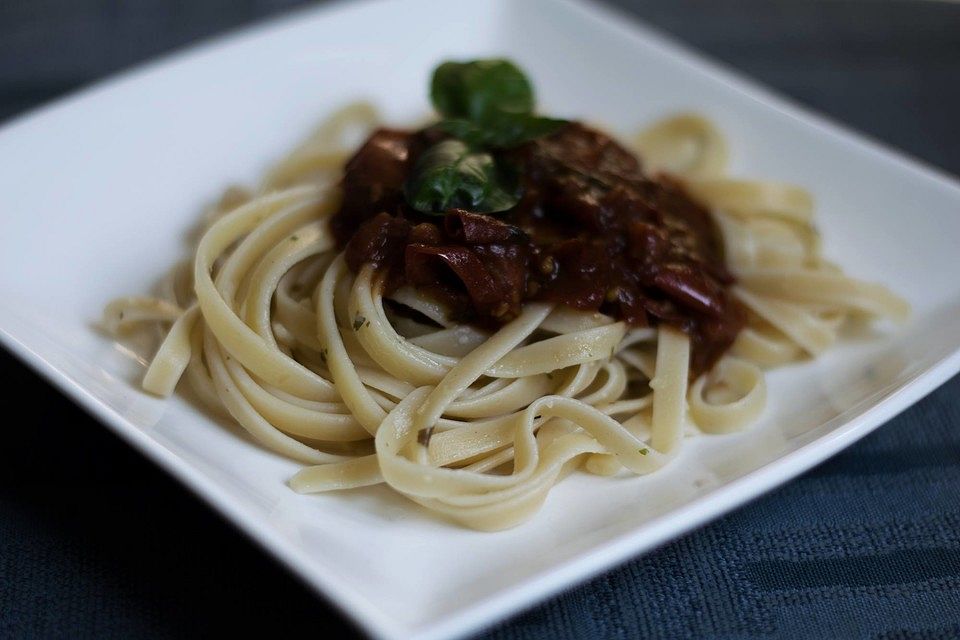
[(475, 90), (449, 175), (502, 131)]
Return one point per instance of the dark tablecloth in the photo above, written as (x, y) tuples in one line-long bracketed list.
[(96, 542)]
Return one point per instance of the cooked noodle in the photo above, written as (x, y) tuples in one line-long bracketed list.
[(269, 325)]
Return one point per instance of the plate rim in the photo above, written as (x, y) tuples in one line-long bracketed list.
[(603, 557)]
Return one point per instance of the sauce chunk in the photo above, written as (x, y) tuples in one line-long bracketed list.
[(591, 231)]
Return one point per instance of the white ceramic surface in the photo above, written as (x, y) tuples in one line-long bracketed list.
[(99, 190)]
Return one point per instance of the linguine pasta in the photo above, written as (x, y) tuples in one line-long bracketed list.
[(266, 323)]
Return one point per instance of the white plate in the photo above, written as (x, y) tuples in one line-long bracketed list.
[(100, 189)]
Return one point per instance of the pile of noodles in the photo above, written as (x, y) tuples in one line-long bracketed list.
[(266, 323)]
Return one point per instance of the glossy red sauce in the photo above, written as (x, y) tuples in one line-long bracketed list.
[(591, 231)]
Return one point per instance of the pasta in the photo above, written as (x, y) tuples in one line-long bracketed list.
[(267, 323)]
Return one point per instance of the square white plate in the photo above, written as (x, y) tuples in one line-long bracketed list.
[(100, 189)]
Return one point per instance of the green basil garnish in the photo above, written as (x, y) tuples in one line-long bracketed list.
[(485, 105), (450, 175), (481, 88), (502, 131), (488, 103)]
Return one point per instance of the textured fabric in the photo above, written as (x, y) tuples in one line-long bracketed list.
[(97, 543)]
